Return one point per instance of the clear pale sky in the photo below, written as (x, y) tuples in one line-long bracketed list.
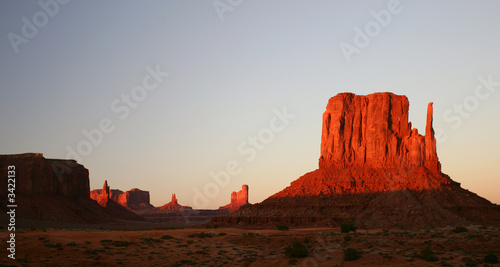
[(231, 67)]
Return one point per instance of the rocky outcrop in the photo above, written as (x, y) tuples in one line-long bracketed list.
[(134, 199), (238, 199), (54, 191), (373, 132), (173, 205), (374, 169), (38, 176)]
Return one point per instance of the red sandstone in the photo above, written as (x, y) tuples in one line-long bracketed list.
[(374, 169), (238, 199)]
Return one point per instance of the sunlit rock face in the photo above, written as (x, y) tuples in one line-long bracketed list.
[(134, 199), (238, 199), (373, 131), (374, 169), (173, 205)]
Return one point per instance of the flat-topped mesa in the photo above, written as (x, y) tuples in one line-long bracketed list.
[(134, 199), (373, 131), (38, 176), (374, 170)]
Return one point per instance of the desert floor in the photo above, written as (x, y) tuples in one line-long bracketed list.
[(243, 247)]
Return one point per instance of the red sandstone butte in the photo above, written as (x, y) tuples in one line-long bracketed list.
[(373, 169), (38, 176), (173, 205), (373, 132), (56, 190), (238, 199), (134, 199)]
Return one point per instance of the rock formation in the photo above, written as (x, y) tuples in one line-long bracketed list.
[(134, 199), (173, 205), (374, 169), (55, 190), (373, 132), (38, 176), (238, 199)]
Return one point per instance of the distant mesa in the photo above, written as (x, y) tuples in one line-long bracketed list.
[(173, 205), (56, 190), (38, 176), (134, 199), (238, 199), (375, 169)]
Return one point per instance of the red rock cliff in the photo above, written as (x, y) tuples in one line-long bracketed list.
[(36, 175), (134, 199), (238, 199), (55, 190), (373, 131), (373, 169), (173, 205)]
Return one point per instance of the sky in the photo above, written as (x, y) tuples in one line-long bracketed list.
[(198, 98)]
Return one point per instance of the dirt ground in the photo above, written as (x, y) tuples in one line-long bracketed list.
[(243, 247)]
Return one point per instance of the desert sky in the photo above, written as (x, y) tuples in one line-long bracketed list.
[(197, 98)]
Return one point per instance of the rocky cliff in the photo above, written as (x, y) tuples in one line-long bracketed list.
[(238, 199), (134, 199), (373, 132), (374, 169), (173, 205), (38, 176), (54, 190)]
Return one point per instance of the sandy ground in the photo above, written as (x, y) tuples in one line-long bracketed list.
[(243, 247)]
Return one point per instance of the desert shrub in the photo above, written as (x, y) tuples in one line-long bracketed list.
[(428, 255), (348, 227), (71, 244), (296, 250), (490, 258), (203, 235), (282, 227), (52, 245), (106, 241), (94, 251), (216, 226), (248, 234), (350, 254), (469, 262), (120, 243), (459, 229), (184, 262), (167, 237), (208, 226), (148, 240), (347, 238)]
